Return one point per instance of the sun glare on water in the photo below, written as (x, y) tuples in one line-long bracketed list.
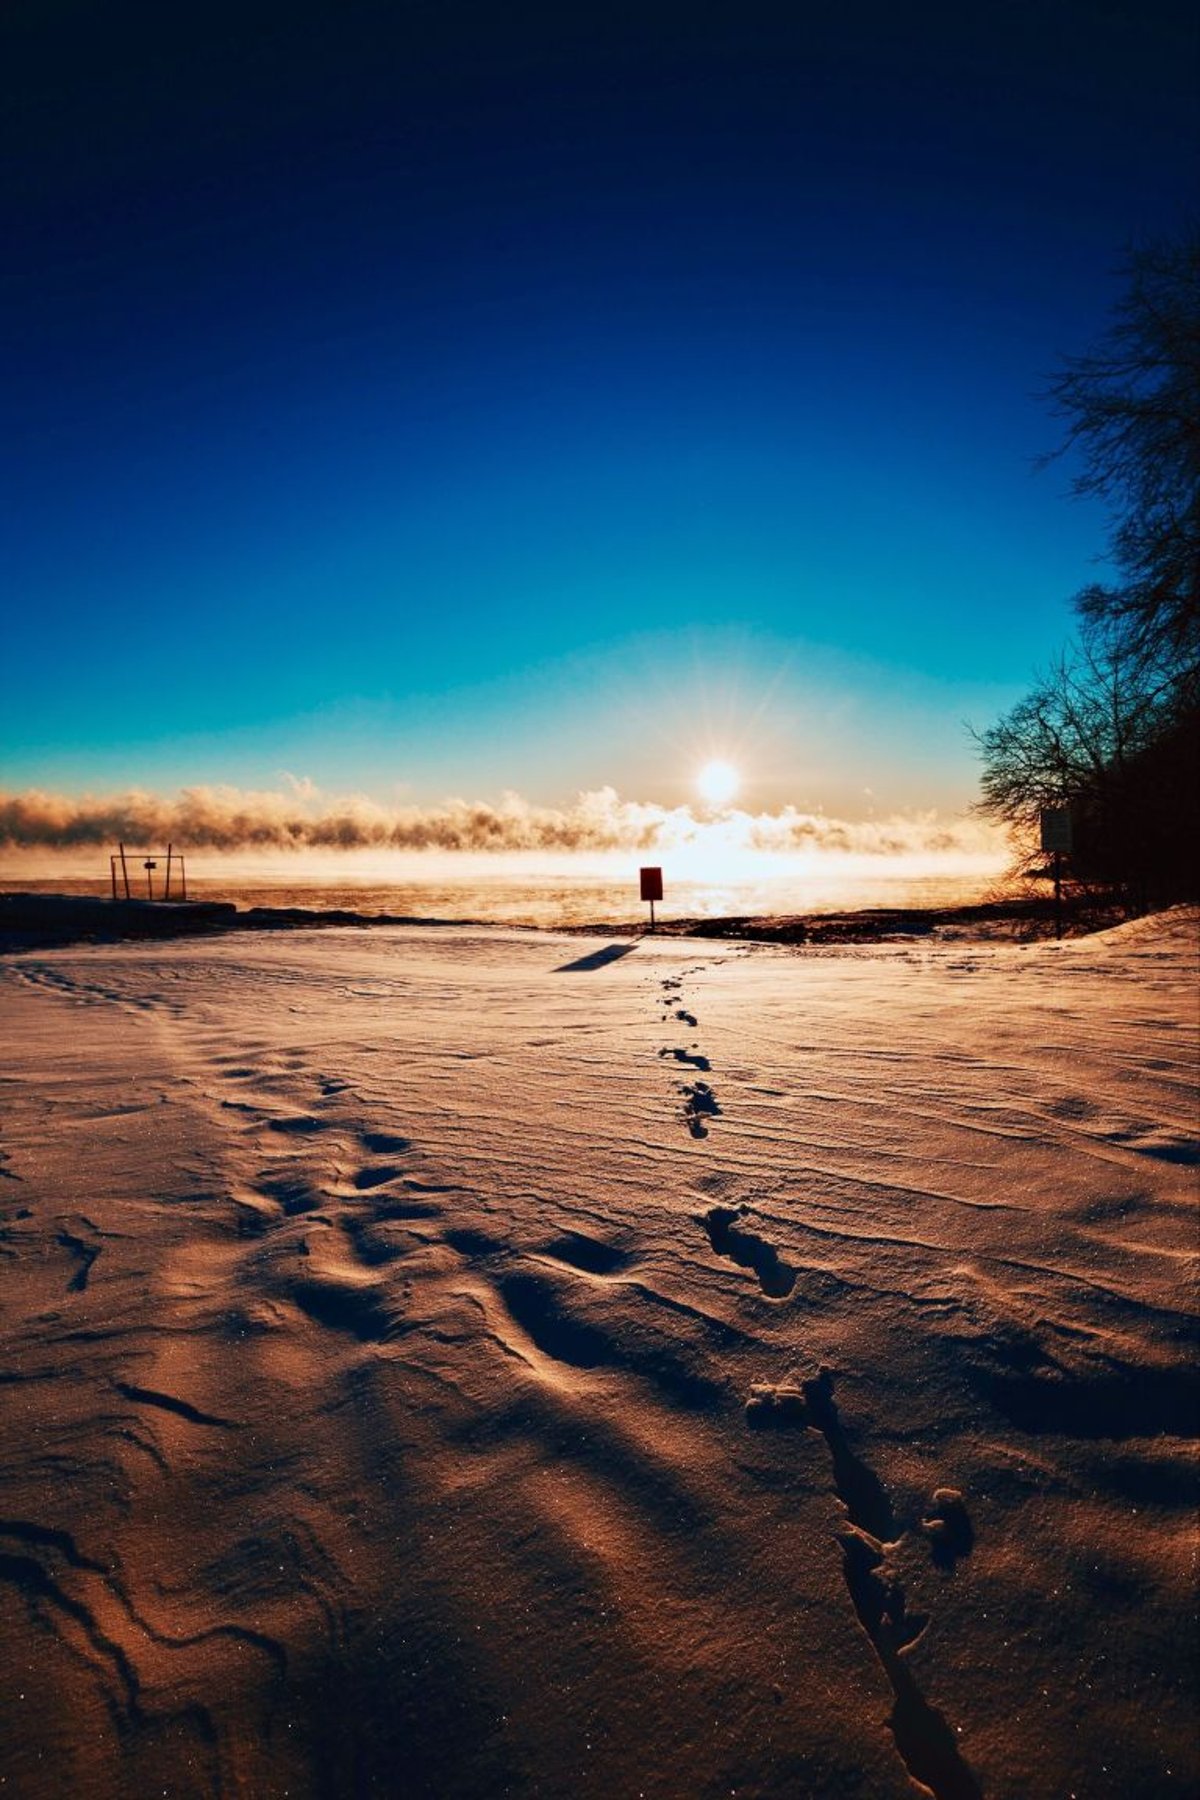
[(718, 783)]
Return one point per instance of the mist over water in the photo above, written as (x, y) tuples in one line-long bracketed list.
[(554, 899)]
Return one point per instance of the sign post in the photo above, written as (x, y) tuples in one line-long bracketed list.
[(1056, 838), (652, 889)]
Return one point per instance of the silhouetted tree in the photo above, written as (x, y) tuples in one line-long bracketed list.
[(1132, 407), (1106, 735), (1074, 732), (1113, 730)]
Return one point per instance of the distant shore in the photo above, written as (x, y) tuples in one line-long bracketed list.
[(30, 921)]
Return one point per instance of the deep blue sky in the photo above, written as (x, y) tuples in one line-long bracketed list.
[(440, 397)]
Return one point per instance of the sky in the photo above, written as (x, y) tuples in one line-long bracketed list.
[(434, 401)]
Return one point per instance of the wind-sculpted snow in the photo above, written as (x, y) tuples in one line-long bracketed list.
[(468, 1363)]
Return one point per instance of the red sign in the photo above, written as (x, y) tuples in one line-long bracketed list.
[(651, 884)]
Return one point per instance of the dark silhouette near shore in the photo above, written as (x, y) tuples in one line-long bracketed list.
[(1112, 732)]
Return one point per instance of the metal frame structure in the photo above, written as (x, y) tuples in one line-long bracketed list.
[(149, 863)]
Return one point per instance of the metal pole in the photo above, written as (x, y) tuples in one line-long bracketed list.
[(1058, 893), (112, 874), (652, 915), (167, 888), (125, 870), (183, 873)]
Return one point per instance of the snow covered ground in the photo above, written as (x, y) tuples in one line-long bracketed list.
[(464, 1362)]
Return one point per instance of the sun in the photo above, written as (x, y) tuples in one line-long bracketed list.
[(718, 783)]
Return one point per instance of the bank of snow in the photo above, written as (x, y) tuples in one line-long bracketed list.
[(475, 1362)]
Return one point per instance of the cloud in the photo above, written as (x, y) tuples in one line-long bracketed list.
[(229, 819), (303, 786)]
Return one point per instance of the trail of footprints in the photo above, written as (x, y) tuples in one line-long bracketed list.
[(331, 1208), (349, 1204), (923, 1737), (49, 978), (699, 1102), (872, 1534)]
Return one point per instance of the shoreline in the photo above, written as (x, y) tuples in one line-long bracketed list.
[(38, 921)]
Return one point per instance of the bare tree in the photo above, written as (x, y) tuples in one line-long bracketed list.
[(1132, 406), (1089, 717), (1103, 734), (1112, 730)]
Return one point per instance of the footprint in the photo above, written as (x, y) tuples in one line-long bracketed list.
[(86, 1255), (924, 1738), (253, 1215), (557, 1332), (374, 1247), (776, 1406), (879, 1599), (295, 1124), (378, 1176), (948, 1528), (748, 1250), (472, 1243), (699, 1103), (686, 1018), (291, 1189), (345, 1305), (926, 1742), (691, 1057), (383, 1142), (856, 1484), (547, 1311), (587, 1253)]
